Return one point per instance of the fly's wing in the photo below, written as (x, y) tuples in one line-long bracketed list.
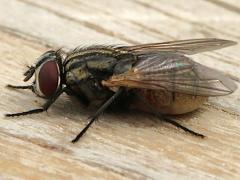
[(175, 73), (188, 47)]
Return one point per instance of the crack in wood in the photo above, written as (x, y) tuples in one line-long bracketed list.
[(197, 24), (153, 31), (225, 5), (39, 142), (24, 36), (87, 24)]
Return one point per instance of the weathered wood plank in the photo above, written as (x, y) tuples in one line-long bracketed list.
[(168, 15), (119, 146)]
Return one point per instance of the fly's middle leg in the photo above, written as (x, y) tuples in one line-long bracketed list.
[(97, 114)]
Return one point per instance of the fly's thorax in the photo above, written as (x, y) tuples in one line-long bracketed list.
[(86, 83), (168, 102), (81, 67), (84, 73), (86, 69)]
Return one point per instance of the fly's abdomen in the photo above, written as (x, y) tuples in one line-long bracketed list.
[(168, 102)]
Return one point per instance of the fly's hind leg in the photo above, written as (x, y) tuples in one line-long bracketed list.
[(168, 120)]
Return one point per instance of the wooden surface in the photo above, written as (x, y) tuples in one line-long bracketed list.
[(133, 145)]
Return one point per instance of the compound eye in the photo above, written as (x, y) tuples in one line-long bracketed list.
[(48, 78)]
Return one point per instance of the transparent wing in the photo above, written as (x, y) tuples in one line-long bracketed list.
[(191, 46), (175, 73)]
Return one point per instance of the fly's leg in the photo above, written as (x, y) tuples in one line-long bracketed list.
[(39, 110), (168, 120), (20, 87), (97, 113)]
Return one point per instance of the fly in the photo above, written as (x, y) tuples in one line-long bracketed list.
[(156, 77)]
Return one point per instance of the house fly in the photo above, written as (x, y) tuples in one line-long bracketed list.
[(159, 78)]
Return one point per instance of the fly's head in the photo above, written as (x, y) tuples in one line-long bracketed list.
[(48, 74)]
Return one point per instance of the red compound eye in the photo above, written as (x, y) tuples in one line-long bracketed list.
[(48, 78)]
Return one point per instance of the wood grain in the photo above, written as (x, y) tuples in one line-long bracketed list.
[(131, 145)]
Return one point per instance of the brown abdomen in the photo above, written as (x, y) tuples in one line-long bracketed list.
[(167, 102)]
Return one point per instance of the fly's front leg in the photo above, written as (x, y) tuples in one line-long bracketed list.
[(39, 110), (20, 87), (28, 74)]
